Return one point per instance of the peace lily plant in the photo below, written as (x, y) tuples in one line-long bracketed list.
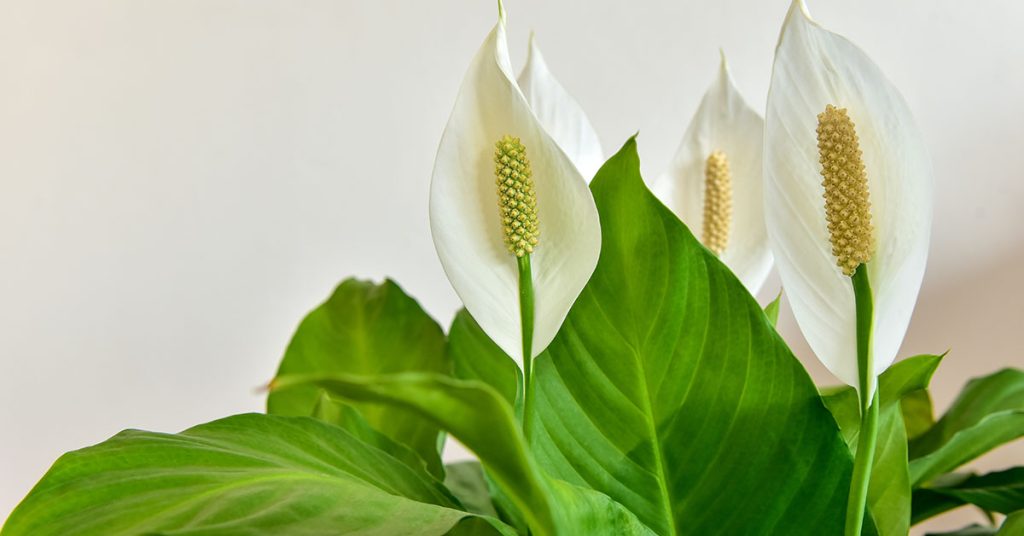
[(611, 370)]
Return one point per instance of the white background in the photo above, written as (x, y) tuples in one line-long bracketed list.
[(180, 181)]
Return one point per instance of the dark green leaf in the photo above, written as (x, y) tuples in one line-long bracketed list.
[(668, 389), (926, 504), (484, 422), (367, 329), (248, 474), (1001, 391), (1001, 491)]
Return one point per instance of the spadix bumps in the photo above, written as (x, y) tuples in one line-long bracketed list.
[(847, 204), (717, 202), (517, 201)]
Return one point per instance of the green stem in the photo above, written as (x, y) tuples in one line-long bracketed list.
[(526, 310), (857, 503)]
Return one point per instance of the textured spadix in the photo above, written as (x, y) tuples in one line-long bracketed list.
[(466, 222), (813, 69), (560, 114), (725, 124)]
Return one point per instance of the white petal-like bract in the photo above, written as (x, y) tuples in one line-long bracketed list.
[(813, 68), (464, 216), (724, 122), (560, 114)]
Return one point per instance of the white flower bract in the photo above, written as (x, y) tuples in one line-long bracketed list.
[(723, 123), (464, 218), (815, 68)]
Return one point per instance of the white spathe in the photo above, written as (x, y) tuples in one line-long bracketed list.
[(464, 217), (560, 114), (814, 67), (724, 122)]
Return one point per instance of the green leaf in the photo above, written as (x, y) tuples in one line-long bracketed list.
[(1013, 525), (476, 357), (467, 482), (889, 493), (247, 474), (344, 415), (772, 310), (889, 498), (668, 389), (926, 504), (367, 329), (484, 422), (903, 379), (918, 414), (967, 444), (982, 397), (1001, 491)]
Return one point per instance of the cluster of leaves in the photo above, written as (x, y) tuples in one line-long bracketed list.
[(667, 404)]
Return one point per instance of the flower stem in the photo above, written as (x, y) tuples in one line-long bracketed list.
[(526, 310), (856, 505)]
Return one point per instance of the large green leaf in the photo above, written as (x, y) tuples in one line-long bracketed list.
[(982, 397), (668, 389), (248, 474), (484, 422), (369, 329), (967, 444)]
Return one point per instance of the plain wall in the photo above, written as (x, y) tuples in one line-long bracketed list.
[(182, 180)]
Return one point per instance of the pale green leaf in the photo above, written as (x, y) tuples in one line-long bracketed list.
[(368, 329), (772, 310), (243, 475), (484, 422)]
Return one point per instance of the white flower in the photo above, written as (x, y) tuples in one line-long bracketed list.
[(561, 115), (813, 69), (465, 220), (727, 132)]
